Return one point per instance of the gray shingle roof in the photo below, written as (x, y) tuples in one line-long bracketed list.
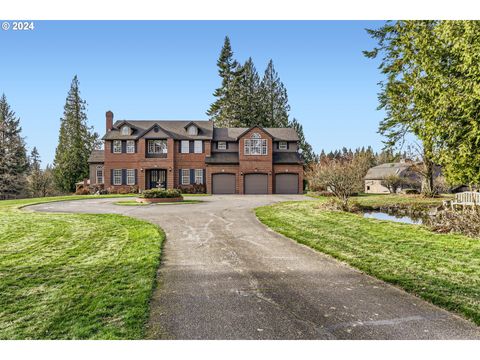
[(381, 171), (97, 156), (232, 134), (222, 158), (287, 158)]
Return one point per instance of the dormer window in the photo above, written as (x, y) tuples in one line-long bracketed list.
[(255, 145), (282, 145), (192, 130), (125, 130)]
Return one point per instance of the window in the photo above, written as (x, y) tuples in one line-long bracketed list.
[(282, 145), (192, 130), (157, 146), (99, 174), (117, 146), (185, 176), (198, 147), (117, 177), (185, 147), (222, 145), (130, 146), (198, 176), (130, 176), (125, 130), (255, 146)]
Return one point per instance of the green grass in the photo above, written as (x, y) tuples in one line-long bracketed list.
[(75, 276), (375, 201), (134, 203), (443, 269)]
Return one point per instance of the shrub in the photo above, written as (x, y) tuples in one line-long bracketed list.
[(411, 191), (192, 189), (463, 222), (161, 193)]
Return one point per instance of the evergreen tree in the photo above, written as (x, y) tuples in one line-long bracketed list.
[(75, 142), (222, 111), (306, 149), (247, 96), (13, 156), (34, 161), (274, 99)]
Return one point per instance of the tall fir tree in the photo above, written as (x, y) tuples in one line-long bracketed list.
[(307, 151), (222, 111), (13, 155), (274, 99), (75, 142), (247, 96), (34, 161)]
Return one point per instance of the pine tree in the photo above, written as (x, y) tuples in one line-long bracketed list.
[(34, 161), (222, 111), (13, 156), (274, 99), (247, 96), (75, 143), (306, 149)]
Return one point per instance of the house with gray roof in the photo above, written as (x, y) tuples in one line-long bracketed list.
[(402, 169), (181, 154)]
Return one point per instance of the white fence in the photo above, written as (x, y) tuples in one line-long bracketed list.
[(469, 198)]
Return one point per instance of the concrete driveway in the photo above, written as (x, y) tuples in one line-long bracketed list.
[(224, 275)]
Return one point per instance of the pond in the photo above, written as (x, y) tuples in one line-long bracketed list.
[(402, 218)]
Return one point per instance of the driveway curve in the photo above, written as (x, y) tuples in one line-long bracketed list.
[(224, 275)]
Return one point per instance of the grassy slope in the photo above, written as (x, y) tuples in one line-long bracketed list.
[(444, 269), (74, 276)]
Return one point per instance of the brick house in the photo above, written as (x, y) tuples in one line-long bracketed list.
[(169, 154)]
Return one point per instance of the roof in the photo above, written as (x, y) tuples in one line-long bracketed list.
[(232, 134), (174, 128), (388, 169), (287, 158), (222, 158), (97, 156)]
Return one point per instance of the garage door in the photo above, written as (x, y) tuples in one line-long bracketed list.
[(256, 183), (286, 184), (223, 184)]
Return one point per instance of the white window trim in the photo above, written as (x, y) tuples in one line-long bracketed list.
[(255, 146), (182, 146), (185, 176), (130, 176), (198, 176), (162, 149), (282, 145), (192, 130), (115, 147), (125, 130), (130, 146), (198, 146), (99, 169), (116, 173), (222, 145)]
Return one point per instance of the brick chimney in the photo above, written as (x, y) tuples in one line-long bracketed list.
[(109, 120)]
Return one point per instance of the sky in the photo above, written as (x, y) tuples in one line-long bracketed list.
[(167, 70)]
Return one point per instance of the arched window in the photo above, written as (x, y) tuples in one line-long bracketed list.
[(255, 145), (125, 130), (192, 130)]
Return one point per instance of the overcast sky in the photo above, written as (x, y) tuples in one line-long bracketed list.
[(167, 70)]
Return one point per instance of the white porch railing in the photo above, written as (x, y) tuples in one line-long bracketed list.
[(467, 198)]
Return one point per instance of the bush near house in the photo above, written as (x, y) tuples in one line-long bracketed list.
[(161, 194)]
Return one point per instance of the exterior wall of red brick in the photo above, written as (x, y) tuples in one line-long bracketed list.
[(222, 169)]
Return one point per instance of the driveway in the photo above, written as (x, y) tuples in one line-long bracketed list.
[(224, 275)]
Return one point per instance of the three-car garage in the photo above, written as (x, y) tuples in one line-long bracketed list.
[(255, 184)]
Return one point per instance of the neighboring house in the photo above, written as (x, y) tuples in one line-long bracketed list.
[(403, 169), (170, 154)]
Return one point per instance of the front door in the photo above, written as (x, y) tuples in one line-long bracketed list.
[(157, 179)]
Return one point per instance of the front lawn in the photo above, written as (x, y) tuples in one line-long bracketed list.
[(443, 269), (135, 203), (74, 276)]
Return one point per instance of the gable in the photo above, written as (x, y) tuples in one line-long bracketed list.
[(155, 132)]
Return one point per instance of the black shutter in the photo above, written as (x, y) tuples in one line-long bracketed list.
[(226, 145), (111, 176), (278, 145), (135, 146), (191, 146), (216, 145), (192, 176), (124, 146), (288, 145), (204, 176), (179, 176), (180, 146), (124, 176), (203, 146), (136, 177), (111, 146)]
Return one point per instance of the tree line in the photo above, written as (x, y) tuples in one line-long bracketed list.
[(245, 100), (431, 89), (21, 174)]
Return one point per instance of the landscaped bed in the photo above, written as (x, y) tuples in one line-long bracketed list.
[(75, 276), (441, 268), (160, 196)]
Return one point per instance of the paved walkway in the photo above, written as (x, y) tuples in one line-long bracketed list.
[(226, 276)]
